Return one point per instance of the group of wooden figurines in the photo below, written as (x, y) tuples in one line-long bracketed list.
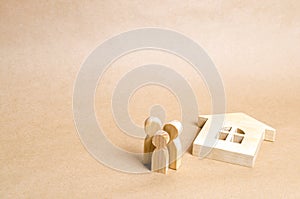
[(162, 145)]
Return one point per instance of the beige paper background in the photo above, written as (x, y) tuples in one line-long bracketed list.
[(254, 44)]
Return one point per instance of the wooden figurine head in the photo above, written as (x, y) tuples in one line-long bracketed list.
[(160, 139), (174, 129), (152, 125)]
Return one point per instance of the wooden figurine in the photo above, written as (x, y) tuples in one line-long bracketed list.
[(238, 141), (174, 129), (151, 126), (160, 155)]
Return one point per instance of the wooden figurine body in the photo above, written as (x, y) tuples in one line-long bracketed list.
[(160, 155), (152, 125), (174, 129)]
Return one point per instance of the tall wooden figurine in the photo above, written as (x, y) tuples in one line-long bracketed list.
[(151, 126), (174, 129), (160, 155)]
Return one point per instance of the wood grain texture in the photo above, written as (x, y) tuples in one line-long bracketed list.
[(174, 129), (237, 142), (160, 155), (151, 126), (175, 153)]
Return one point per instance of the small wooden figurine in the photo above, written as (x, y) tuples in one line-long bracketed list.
[(151, 126), (160, 155), (174, 129)]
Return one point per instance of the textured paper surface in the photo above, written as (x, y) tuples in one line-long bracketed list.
[(254, 44)]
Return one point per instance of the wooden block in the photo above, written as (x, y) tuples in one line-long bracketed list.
[(237, 141), (174, 129), (151, 126), (160, 155), (244, 119)]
